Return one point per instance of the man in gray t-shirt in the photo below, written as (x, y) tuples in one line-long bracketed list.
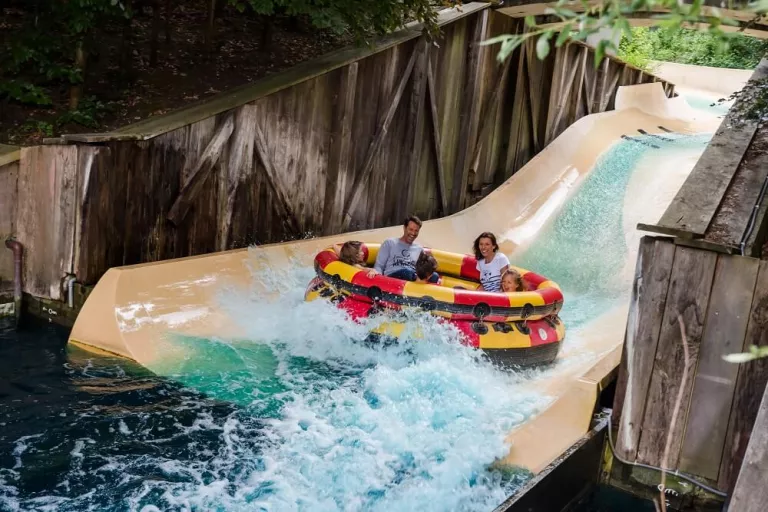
[(397, 256)]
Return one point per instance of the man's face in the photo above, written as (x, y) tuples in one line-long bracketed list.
[(410, 232)]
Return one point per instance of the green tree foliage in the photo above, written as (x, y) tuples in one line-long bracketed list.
[(59, 36), (580, 19), (686, 46)]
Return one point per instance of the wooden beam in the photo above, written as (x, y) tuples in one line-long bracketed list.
[(488, 115), (693, 208), (715, 379), (201, 171), (468, 117), (732, 216), (239, 166), (275, 182), (646, 310), (751, 493), (341, 152), (378, 139), (414, 129), (752, 379), (440, 172), (687, 297)]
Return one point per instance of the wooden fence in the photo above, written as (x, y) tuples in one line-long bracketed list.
[(9, 172), (356, 139), (722, 301)]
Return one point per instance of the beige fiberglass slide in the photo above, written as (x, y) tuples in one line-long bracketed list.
[(133, 307)]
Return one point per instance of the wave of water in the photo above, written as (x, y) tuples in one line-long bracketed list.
[(300, 414)]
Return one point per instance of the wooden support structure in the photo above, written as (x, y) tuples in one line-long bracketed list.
[(751, 493), (723, 303), (378, 139), (715, 205), (201, 171), (319, 149)]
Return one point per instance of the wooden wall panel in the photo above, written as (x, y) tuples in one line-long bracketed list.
[(9, 176)]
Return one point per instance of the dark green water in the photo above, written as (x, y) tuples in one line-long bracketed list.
[(298, 416)]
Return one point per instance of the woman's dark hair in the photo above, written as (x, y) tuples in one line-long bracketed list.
[(411, 218), (425, 265), (476, 245), (349, 253)]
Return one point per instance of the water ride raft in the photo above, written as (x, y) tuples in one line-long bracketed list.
[(518, 328)]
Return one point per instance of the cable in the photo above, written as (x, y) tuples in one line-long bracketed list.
[(646, 466)]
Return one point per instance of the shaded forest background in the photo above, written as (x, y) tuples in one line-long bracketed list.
[(70, 66)]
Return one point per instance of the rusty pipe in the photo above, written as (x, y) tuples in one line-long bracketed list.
[(18, 254)]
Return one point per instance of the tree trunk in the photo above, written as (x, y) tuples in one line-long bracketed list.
[(266, 33), (155, 33), (76, 90), (126, 57), (168, 13), (209, 31)]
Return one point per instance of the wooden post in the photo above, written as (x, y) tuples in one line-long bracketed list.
[(439, 171), (646, 309), (275, 182), (752, 379), (688, 296), (341, 152), (239, 166), (378, 138), (468, 118), (201, 171), (414, 128), (751, 493), (715, 380)]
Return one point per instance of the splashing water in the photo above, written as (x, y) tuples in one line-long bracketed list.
[(300, 414)]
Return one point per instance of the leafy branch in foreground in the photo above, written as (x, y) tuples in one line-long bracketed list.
[(581, 19)]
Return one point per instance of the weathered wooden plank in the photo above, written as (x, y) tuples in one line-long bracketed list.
[(752, 379), (239, 165), (201, 171), (751, 493), (275, 182), (695, 204), (438, 148), (9, 178), (340, 156), (45, 222), (715, 379), (688, 294), (649, 298), (414, 129), (468, 117), (733, 215), (375, 144), (271, 84), (488, 115), (564, 101)]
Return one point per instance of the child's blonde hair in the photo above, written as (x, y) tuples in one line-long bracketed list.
[(519, 287)]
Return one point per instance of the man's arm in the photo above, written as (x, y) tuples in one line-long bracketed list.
[(382, 257)]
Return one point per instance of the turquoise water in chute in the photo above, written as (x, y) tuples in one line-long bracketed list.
[(301, 415)]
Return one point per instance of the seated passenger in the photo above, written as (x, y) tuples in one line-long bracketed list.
[(397, 256), (512, 281), (490, 262), (351, 253), (425, 269)]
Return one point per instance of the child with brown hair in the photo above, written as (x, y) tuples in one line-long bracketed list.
[(351, 253), (512, 281)]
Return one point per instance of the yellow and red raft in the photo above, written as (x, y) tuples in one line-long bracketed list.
[(519, 328)]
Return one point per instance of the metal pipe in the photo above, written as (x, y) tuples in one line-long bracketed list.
[(18, 253), (69, 284), (753, 216)]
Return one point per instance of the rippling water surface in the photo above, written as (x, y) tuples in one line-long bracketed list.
[(300, 414)]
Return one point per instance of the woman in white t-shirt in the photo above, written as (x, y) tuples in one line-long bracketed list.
[(490, 262)]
